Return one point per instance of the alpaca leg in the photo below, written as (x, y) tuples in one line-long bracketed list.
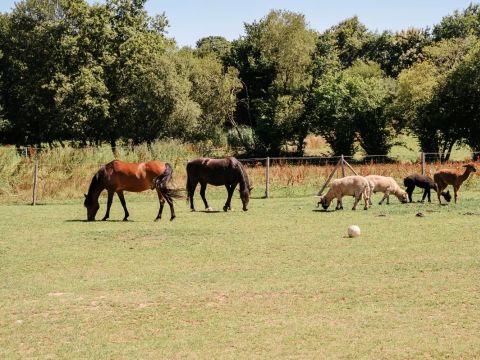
[(409, 191), (425, 192), (357, 199), (440, 188), (338, 205), (385, 196)]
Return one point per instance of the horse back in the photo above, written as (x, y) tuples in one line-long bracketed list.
[(134, 177), (212, 171)]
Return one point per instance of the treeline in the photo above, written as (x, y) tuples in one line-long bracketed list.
[(71, 72)]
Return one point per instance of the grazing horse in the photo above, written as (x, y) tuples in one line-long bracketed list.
[(118, 176), (228, 172)]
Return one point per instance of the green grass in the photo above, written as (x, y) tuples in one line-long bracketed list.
[(279, 281)]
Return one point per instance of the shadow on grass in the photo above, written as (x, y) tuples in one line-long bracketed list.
[(101, 221)]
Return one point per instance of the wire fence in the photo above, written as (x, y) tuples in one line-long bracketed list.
[(267, 171), (48, 169)]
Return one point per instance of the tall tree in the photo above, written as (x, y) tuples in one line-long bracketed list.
[(419, 103), (354, 104), (213, 45), (460, 24), (274, 59)]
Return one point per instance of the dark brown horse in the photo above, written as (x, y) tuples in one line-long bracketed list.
[(118, 176), (228, 172)]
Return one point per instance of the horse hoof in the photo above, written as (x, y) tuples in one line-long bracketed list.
[(173, 217), (125, 219), (209, 209), (104, 219), (157, 219), (225, 208)]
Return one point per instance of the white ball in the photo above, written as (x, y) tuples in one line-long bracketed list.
[(353, 231)]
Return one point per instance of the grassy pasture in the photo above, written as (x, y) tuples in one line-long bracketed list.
[(281, 280)]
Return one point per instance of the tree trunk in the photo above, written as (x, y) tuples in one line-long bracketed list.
[(113, 145)]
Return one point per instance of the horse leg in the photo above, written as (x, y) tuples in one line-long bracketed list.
[(455, 193), (172, 210), (124, 204), (191, 191), (203, 187), (161, 200), (230, 189), (428, 195), (109, 204)]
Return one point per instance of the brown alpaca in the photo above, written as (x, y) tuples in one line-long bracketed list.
[(446, 177)]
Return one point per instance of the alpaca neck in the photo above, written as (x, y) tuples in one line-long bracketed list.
[(464, 176)]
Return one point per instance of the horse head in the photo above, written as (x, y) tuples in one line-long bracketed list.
[(92, 206), (245, 197)]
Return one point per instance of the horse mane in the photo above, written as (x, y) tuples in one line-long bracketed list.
[(244, 183), (96, 182)]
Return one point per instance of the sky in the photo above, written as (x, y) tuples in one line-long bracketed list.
[(191, 20)]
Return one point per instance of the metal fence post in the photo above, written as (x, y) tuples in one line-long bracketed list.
[(422, 156), (35, 176), (267, 178)]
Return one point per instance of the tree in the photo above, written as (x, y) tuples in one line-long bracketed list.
[(274, 60), (354, 104), (460, 24), (374, 122), (398, 51), (458, 99), (217, 46), (422, 105), (213, 89), (350, 38), (30, 56)]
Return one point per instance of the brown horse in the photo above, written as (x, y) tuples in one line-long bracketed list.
[(228, 172), (118, 176)]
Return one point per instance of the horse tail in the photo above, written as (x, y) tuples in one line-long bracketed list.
[(187, 186), (161, 181)]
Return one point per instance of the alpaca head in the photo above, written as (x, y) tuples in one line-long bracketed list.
[(470, 168)]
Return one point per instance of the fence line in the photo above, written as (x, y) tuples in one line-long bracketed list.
[(267, 162)]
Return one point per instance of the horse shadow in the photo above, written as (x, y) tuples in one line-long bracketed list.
[(98, 221)]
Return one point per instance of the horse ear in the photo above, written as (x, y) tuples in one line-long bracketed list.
[(85, 195)]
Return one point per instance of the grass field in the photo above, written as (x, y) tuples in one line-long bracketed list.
[(281, 280)]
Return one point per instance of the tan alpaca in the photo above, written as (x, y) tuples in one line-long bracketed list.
[(446, 177)]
